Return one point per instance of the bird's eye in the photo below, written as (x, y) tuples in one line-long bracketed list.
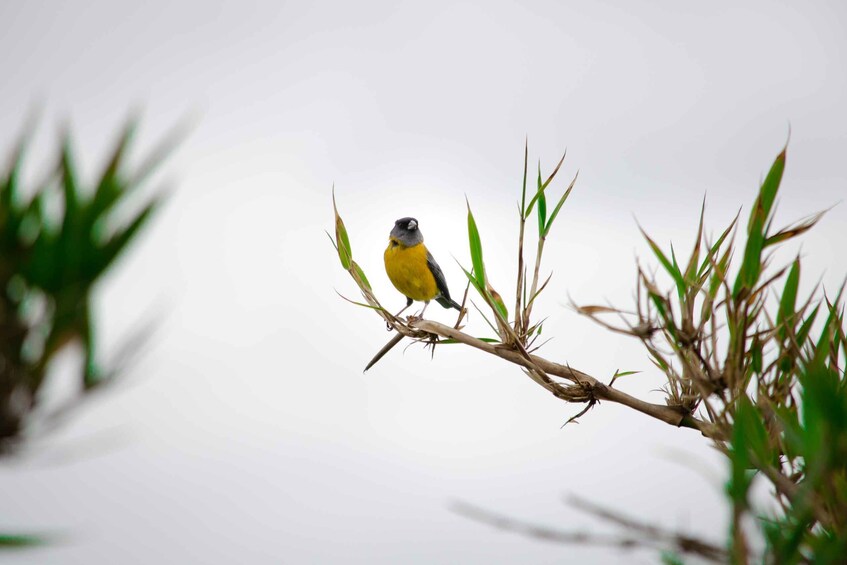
[(413, 225)]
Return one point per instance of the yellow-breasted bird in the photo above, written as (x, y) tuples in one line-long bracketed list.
[(412, 268)]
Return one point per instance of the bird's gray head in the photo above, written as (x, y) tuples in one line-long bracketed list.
[(406, 232)]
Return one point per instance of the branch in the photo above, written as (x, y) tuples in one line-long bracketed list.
[(681, 542), (595, 389), (640, 534)]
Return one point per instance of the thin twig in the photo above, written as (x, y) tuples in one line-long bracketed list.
[(643, 536), (385, 349)]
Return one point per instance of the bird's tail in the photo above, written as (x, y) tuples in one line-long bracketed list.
[(448, 302)]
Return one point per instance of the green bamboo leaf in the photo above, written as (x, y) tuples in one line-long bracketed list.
[(482, 293), (789, 420), (839, 335), (331, 240), (497, 300), (487, 292), (756, 435), (719, 275), (451, 341), (760, 214), (760, 217), (713, 252), (361, 274), (657, 359), (540, 289), (359, 303), (472, 280), (824, 414), (680, 288), (806, 326), (822, 348), (691, 270), (523, 189), (542, 210), (663, 309), (669, 267), (788, 302), (825, 343), (559, 205), (794, 230), (342, 240), (751, 265), (539, 190), (543, 186), (739, 455), (476, 251)]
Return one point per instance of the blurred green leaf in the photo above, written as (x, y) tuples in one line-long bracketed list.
[(69, 183), (55, 246), (101, 261), (109, 191), (12, 541), (786, 315), (9, 186), (746, 434), (671, 558), (806, 327)]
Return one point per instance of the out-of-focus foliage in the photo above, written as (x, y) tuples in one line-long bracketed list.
[(57, 240), (802, 449)]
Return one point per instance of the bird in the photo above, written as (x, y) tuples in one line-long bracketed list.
[(412, 269)]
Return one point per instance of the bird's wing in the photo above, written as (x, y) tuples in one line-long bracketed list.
[(440, 281)]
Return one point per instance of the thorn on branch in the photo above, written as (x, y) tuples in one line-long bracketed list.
[(575, 419)]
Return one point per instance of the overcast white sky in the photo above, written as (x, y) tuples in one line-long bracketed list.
[(247, 432)]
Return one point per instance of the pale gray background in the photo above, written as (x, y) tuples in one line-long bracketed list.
[(247, 432)]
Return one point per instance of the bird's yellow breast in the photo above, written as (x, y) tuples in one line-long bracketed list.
[(408, 270)]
